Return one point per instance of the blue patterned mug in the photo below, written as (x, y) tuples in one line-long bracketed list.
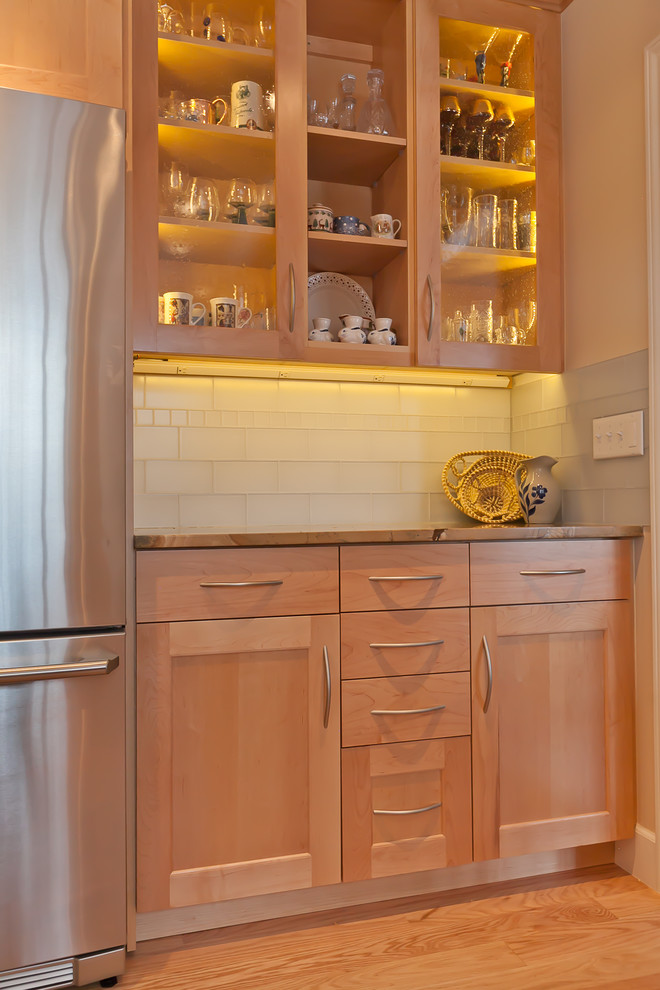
[(350, 225)]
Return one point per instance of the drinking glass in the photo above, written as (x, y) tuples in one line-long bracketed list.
[(333, 112), (508, 224), (312, 111), (481, 322), (204, 199), (480, 117), (264, 33), (450, 111), (485, 221), (242, 195), (504, 121), (347, 118), (457, 206), (527, 231), (217, 26), (266, 204), (175, 192)]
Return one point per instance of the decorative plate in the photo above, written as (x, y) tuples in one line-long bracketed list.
[(331, 294), (481, 484)]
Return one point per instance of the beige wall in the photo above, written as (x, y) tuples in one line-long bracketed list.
[(605, 176)]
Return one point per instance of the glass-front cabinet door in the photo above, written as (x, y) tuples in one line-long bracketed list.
[(489, 285)]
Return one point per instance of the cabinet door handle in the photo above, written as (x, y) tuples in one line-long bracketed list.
[(402, 646), (238, 584), (410, 577), (292, 296), (412, 811), (406, 711), (429, 332), (573, 570), (48, 672), (328, 688), (489, 667)]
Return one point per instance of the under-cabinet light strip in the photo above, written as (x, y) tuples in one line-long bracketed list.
[(328, 373)]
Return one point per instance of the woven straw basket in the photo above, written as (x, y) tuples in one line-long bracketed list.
[(481, 484)]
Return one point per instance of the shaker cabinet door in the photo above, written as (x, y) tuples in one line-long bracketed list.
[(238, 758), (552, 726)]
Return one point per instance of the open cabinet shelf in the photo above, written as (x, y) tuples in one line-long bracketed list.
[(347, 156), (359, 255), (201, 240), (184, 60)]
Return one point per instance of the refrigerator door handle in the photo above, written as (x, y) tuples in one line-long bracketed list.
[(80, 668)]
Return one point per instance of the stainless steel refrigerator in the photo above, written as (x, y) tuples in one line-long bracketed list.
[(62, 542)]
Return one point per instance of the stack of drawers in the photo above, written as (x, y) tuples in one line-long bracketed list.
[(405, 668)]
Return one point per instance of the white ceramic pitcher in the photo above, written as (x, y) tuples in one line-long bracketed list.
[(538, 490)]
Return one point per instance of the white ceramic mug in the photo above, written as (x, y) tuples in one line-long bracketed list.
[(179, 308), (225, 312), (247, 105), (382, 225)]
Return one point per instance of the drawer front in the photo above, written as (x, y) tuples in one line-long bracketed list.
[(393, 709), (413, 641), (236, 583), (403, 576), (552, 571)]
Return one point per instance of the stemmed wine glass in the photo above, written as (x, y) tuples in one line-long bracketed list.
[(450, 111), (480, 117), (504, 121), (242, 194)]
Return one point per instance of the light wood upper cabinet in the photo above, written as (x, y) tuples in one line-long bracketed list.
[(552, 726), (238, 758), (486, 297), (68, 48)]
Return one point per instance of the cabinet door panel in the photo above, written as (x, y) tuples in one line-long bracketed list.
[(238, 777), (553, 753), (406, 807)]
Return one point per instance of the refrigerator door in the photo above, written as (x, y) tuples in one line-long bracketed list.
[(62, 392), (62, 801)]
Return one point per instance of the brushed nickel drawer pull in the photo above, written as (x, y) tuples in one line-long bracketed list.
[(489, 664), (410, 577), (406, 711), (48, 672), (328, 688), (401, 646), (429, 332), (573, 570), (412, 811), (238, 584)]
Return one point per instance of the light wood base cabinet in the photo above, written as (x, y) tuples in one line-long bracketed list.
[(552, 726), (238, 758), (406, 807)]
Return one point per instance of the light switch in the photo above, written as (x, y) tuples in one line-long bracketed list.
[(619, 436)]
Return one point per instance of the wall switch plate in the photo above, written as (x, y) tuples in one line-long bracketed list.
[(618, 436)]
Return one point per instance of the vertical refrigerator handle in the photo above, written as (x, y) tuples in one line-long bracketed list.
[(48, 672)]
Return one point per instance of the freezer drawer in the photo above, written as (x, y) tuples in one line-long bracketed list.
[(62, 798)]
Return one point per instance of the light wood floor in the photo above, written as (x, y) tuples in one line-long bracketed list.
[(602, 932)]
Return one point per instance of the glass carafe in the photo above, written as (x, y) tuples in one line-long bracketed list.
[(375, 116), (348, 102)]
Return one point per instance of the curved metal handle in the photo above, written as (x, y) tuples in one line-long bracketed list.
[(401, 646), (489, 664), (238, 584), (48, 672), (429, 332), (328, 688), (573, 570), (410, 577), (412, 811), (292, 296), (406, 711)]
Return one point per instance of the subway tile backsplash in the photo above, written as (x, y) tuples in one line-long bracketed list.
[(249, 452)]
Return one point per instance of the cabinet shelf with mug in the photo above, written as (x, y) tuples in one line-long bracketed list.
[(489, 291)]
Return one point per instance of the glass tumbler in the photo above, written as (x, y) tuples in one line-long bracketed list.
[(485, 221), (508, 224)]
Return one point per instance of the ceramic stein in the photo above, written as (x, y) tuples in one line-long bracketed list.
[(539, 493), (320, 217), (381, 337), (180, 308), (247, 105)]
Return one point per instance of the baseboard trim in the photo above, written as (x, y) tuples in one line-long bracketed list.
[(639, 856), (203, 917)]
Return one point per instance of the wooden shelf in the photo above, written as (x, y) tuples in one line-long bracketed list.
[(351, 253), (349, 156), (462, 262), (372, 355), (483, 357), (210, 65), (521, 101), (218, 151), (486, 175), (216, 243), (191, 341)]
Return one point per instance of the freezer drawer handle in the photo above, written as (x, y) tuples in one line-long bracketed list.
[(410, 577), (574, 570), (402, 646), (237, 584), (407, 711), (412, 811), (49, 672)]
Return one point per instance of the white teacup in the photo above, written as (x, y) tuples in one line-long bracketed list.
[(382, 337), (383, 323), (225, 312), (382, 225), (179, 308), (352, 335)]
